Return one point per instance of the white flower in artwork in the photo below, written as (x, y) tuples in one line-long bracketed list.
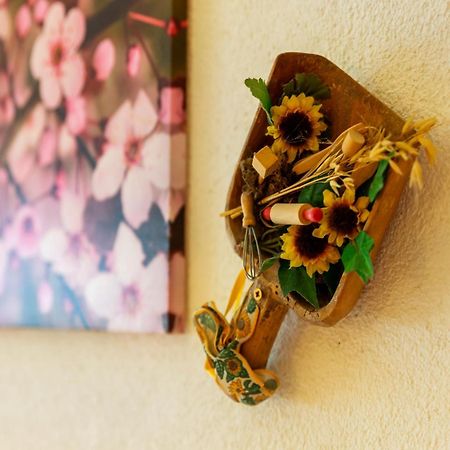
[(124, 163), (166, 163), (131, 297), (68, 248)]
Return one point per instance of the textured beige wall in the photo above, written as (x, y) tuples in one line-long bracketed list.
[(377, 380)]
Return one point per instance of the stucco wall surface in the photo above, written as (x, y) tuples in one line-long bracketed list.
[(378, 379)]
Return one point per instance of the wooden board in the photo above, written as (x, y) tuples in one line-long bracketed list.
[(349, 104)]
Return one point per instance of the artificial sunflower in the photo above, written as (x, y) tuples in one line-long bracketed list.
[(302, 248), (233, 366), (236, 390), (296, 125), (342, 216)]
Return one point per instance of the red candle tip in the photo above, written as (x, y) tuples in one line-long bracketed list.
[(266, 213), (314, 215)]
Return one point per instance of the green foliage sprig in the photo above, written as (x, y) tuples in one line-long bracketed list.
[(259, 90), (308, 84), (356, 256)]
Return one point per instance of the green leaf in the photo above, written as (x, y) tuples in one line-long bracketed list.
[(207, 321), (229, 377), (356, 256), (378, 180), (333, 276), (296, 279), (251, 306), (243, 373), (308, 83), (253, 389), (247, 400), (220, 368), (313, 194), (259, 90), (268, 263)]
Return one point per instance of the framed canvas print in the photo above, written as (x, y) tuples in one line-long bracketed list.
[(92, 164)]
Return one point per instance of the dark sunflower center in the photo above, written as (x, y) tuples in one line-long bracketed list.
[(343, 219), (233, 366), (296, 128), (307, 244)]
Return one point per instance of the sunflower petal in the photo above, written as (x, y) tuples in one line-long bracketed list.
[(362, 203), (328, 197), (349, 196), (292, 153)]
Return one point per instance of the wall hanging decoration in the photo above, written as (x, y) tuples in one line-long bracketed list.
[(317, 183), (92, 164)]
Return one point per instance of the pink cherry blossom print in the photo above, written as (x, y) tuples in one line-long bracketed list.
[(23, 21), (122, 166), (45, 297), (40, 10), (134, 57), (22, 152), (4, 254), (172, 106), (131, 297), (5, 23), (68, 248), (56, 143), (55, 60), (7, 108), (165, 161), (104, 59), (26, 232), (47, 148), (76, 116)]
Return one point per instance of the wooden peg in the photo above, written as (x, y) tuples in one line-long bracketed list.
[(265, 162), (353, 141)]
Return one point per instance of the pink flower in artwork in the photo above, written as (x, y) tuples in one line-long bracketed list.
[(124, 163), (5, 22), (55, 60), (131, 297), (172, 106), (23, 20), (56, 142), (68, 248), (104, 59), (25, 232), (134, 57), (22, 153), (76, 116), (166, 164), (7, 109), (40, 10), (4, 255)]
